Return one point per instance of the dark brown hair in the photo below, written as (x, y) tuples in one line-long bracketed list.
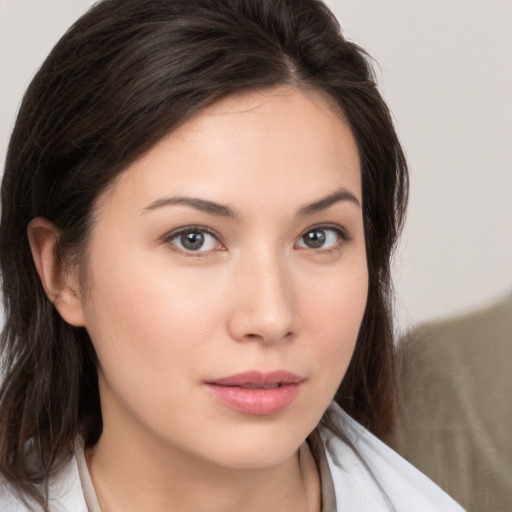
[(125, 75)]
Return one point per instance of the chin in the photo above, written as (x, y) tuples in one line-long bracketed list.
[(257, 443), (257, 455)]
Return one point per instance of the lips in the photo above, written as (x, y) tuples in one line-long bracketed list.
[(257, 393)]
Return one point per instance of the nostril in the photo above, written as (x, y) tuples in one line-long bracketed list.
[(270, 338)]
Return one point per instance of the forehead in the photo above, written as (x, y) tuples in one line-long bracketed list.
[(278, 141)]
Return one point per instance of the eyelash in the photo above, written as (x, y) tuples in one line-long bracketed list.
[(341, 233)]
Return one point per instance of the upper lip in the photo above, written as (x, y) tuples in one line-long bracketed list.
[(258, 379)]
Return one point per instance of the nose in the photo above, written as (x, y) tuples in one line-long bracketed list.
[(263, 302)]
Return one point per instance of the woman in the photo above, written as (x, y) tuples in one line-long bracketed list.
[(199, 205)]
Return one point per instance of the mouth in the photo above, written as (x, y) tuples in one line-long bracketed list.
[(257, 393)]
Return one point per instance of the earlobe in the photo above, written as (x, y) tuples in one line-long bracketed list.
[(57, 281)]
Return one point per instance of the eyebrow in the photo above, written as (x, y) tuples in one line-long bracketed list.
[(325, 203), (203, 205), (220, 210)]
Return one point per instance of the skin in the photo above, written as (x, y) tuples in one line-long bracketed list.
[(164, 319)]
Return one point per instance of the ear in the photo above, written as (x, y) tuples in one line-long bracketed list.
[(58, 283)]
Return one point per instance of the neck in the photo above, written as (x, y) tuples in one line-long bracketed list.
[(132, 473)]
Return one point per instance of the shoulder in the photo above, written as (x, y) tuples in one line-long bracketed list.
[(458, 368), (9, 499), (65, 493), (461, 337), (455, 412), (371, 476), (455, 380)]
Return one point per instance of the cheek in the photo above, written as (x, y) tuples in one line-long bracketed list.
[(147, 299), (335, 312), (338, 299), (149, 333), (149, 320)]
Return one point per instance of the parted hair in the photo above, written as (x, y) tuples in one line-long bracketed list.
[(125, 75)]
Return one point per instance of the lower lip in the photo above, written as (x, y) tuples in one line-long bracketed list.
[(259, 402)]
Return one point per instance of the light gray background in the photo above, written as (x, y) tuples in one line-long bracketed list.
[(445, 68)]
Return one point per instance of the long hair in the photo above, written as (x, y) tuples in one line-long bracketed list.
[(125, 75)]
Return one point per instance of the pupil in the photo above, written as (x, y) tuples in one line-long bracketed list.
[(192, 241), (314, 239)]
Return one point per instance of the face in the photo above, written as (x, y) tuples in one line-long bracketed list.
[(227, 280)]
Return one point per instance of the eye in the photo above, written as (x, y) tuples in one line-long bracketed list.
[(194, 239), (322, 238)]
